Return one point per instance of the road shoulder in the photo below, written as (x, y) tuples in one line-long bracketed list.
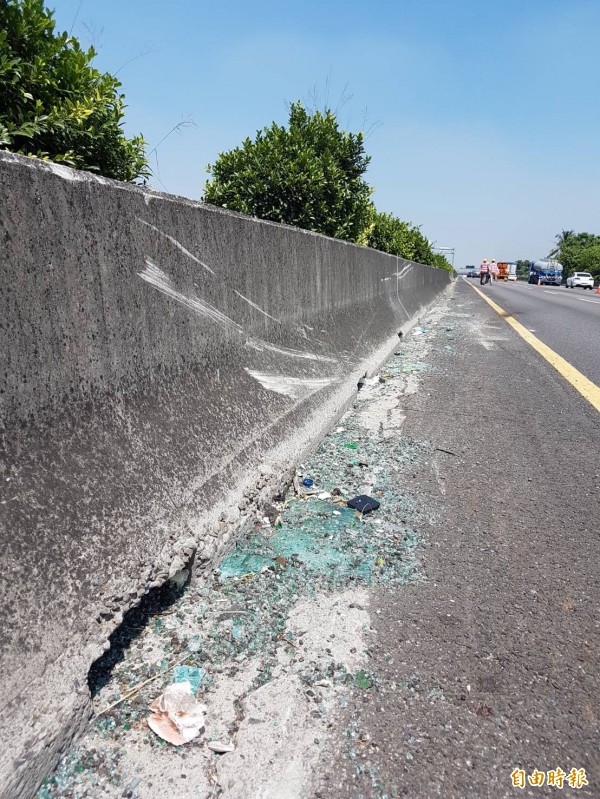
[(492, 664)]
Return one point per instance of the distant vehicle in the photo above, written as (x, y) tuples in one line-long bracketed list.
[(506, 271), (548, 273), (502, 273), (582, 279), (473, 273)]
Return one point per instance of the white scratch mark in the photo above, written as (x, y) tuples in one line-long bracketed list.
[(489, 345), (403, 272), (66, 172), (294, 387), (178, 245), (160, 280), (259, 344), (256, 307), (156, 277), (399, 276)]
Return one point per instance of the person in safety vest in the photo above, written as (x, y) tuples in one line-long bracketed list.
[(484, 272)]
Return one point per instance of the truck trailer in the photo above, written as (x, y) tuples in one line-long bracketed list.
[(506, 271), (548, 273)]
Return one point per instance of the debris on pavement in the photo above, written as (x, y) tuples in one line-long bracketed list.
[(221, 746), (420, 366), (271, 513), (302, 489), (177, 717), (363, 503), (191, 674), (446, 451), (363, 680)]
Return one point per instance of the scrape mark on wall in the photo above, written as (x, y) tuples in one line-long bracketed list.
[(294, 387), (65, 172), (403, 272), (154, 275), (259, 344), (256, 307), (177, 244), (160, 280), (399, 275), (208, 310)]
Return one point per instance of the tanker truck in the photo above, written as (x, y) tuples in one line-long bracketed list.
[(548, 273)]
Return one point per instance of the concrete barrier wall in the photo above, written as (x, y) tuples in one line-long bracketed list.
[(163, 364)]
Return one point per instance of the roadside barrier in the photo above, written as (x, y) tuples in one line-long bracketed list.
[(163, 366)]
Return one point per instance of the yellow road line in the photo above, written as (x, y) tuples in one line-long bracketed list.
[(580, 382)]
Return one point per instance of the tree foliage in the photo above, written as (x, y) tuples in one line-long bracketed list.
[(523, 269), (561, 239), (578, 252), (54, 104), (389, 234), (441, 262), (308, 174)]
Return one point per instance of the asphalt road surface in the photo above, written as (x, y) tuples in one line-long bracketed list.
[(568, 320), (493, 663)]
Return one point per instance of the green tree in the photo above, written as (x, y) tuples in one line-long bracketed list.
[(561, 239), (54, 104), (441, 262), (387, 233), (580, 252), (308, 174), (523, 269), (589, 260)]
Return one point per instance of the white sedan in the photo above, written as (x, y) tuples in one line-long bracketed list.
[(582, 279)]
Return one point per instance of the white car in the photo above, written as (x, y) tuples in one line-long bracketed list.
[(582, 279)]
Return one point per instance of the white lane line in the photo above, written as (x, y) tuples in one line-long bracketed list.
[(594, 302), (556, 293)]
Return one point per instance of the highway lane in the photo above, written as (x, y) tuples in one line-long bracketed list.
[(493, 661), (567, 320)]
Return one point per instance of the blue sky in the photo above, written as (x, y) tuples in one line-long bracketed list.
[(485, 115)]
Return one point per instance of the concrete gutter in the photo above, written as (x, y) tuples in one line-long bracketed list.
[(163, 365)]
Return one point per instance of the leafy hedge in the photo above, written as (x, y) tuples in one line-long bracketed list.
[(54, 104), (311, 174), (308, 174)]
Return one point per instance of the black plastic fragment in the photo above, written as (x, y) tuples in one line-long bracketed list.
[(363, 503)]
